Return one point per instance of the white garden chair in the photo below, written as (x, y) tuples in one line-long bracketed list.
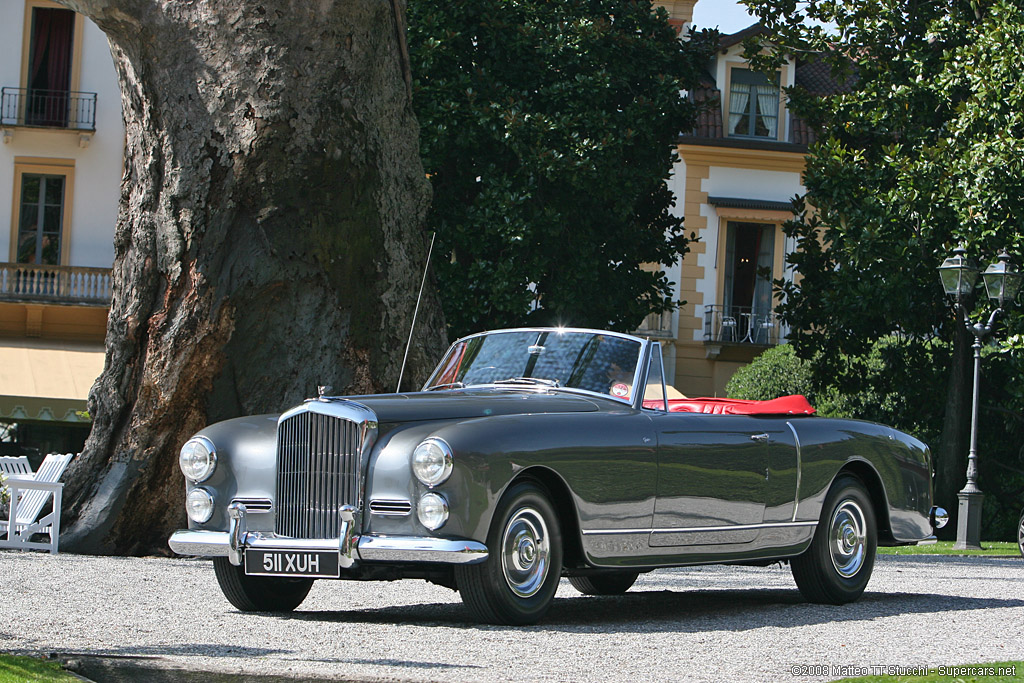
[(29, 493), (15, 465)]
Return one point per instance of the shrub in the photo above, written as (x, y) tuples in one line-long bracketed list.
[(776, 372)]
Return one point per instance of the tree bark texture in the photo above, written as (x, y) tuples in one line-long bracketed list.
[(269, 237), (951, 455)]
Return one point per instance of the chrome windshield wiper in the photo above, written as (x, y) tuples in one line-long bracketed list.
[(447, 385), (528, 380)]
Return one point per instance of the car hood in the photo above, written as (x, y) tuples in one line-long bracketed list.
[(470, 403)]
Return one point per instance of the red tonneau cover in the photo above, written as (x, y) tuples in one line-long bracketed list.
[(784, 405)]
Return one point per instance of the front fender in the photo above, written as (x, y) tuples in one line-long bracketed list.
[(246, 468), (607, 461)]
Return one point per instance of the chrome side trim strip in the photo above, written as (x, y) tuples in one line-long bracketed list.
[(696, 529), (799, 469), (420, 549), (734, 527)]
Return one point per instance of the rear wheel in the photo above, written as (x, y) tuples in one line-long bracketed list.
[(611, 583), (517, 582), (836, 568), (259, 593)]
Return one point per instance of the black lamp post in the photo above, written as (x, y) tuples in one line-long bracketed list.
[(1002, 281)]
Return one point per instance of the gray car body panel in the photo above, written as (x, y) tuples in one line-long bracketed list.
[(647, 488)]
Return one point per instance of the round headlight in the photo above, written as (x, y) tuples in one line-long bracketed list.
[(198, 459), (199, 505), (432, 511), (432, 461)]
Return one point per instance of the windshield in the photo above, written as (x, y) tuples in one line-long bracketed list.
[(592, 361)]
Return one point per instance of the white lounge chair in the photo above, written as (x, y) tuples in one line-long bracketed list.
[(15, 465), (29, 494)]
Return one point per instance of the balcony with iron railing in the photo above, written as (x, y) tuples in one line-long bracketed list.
[(33, 108), (740, 325), (30, 283)]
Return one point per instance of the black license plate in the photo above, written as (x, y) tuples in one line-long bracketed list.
[(292, 563)]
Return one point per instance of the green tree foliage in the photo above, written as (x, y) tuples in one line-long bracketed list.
[(887, 382), (547, 131), (921, 153)]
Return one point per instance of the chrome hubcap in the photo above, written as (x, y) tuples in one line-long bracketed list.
[(524, 552), (1020, 535), (847, 535)]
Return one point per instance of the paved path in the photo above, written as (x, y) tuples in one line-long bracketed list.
[(700, 624)]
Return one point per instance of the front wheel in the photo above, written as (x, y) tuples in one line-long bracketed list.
[(835, 569), (517, 582), (1020, 533), (259, 593)]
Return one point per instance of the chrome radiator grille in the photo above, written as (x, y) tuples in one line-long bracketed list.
[(317, 472)]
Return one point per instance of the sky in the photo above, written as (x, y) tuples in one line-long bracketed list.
[(728, 16)]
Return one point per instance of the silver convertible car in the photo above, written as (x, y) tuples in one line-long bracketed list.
[(533, 454)]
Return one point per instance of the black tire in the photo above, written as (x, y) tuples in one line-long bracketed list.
[(611, 583), (836, 568), (259, 593), (1020, 533), (517, 582)]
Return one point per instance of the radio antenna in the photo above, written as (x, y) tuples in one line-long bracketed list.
[(416, 311)]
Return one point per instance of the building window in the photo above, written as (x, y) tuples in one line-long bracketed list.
[(41, 224), (42, 219), (749, 259), (753, 105), (50, 52)]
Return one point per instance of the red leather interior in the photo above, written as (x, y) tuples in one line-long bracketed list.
[(784, 405)]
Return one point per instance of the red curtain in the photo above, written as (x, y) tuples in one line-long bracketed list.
[(50, 73)]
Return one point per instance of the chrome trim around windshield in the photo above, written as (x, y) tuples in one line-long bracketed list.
[(547, 391), (643, 372), (644, 344), (550, 329)]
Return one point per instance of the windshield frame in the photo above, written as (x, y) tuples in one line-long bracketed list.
[(643, 360)]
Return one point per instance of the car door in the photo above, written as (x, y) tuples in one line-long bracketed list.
[(712, 479)]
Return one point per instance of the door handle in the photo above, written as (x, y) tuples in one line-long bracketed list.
[(759, 437)]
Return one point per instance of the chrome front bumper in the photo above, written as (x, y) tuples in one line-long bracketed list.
[(352, 548)]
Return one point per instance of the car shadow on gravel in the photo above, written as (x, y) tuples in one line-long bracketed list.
[(110, 666), (669, 611), (132, 669)]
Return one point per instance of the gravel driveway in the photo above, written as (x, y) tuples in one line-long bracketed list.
[(698, 624)]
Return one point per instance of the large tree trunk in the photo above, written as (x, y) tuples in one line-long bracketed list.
[(951, 455), (269, 236)]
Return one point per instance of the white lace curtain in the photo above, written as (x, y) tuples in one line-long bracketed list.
[(768, 108), (738, 100)]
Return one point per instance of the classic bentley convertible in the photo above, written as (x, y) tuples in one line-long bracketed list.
[(533, 454)]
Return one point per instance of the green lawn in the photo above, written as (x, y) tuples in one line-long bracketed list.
[(988, 549), (995, 672), (18, 669)]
